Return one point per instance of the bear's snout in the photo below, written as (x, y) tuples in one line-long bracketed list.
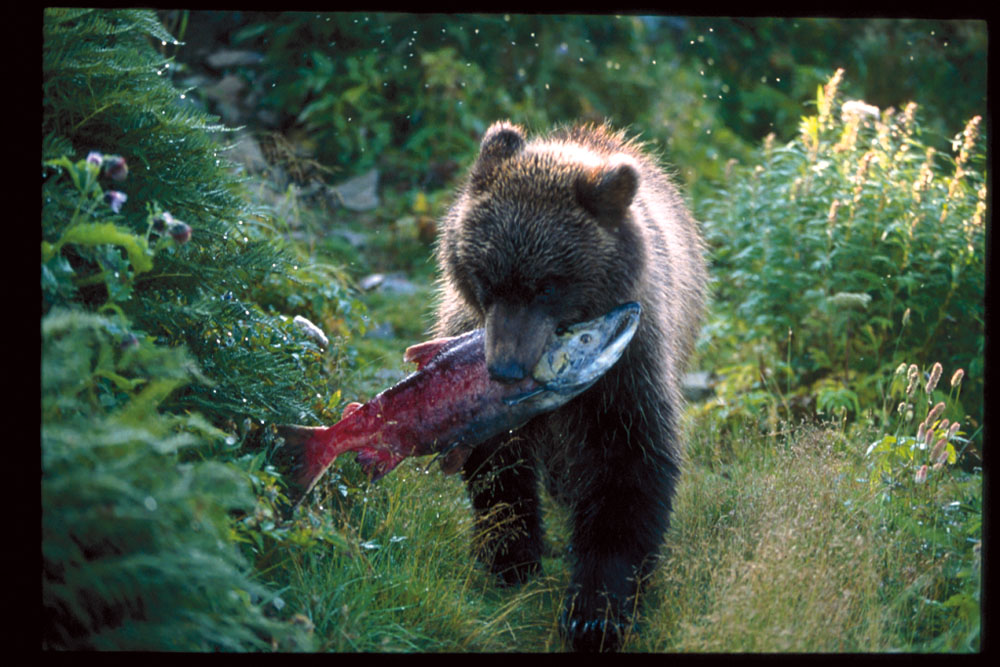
[(515, 338)]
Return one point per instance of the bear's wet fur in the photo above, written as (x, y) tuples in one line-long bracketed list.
[(545, 233)]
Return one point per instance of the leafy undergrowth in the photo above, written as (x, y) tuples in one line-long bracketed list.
[(807, 539), (160, 531), (779, 543)]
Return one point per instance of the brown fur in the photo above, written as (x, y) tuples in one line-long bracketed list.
[(546, 233)]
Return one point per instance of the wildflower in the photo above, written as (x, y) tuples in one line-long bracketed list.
[(179, 231), (829, 92), (95, 158), (956, 379), (933, 379), (938, 454), (900, 369), (925, 176), (934, 414), (861, 175), (117, 168), (831, 217), (901, 408), (912, 374), (857, 109), (953, 430), (921, 475), (969, 134), (909, 114), (768, 143), (115, 199), (921, 432), (906, 317), (161, 221)]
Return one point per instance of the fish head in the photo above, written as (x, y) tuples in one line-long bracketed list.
[(579, 354)]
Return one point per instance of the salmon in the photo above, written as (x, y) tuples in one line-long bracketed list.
[(450, 403)]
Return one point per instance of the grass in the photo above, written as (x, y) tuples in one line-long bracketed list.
[(779, 543)]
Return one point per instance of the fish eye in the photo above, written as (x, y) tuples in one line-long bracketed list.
[(585, 339)]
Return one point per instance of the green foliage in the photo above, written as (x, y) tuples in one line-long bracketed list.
[(414, 92), (105, 89), (844, 251), (136, 548), (151, 341), (934, 508), (768, 67)]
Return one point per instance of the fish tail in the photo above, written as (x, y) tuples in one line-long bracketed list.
[(301, 456)]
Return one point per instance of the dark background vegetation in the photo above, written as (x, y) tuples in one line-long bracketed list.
[(841, 247)]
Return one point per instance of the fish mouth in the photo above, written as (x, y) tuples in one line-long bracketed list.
[(623, 321)]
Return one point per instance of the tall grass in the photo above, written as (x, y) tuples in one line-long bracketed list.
[(779, 543)]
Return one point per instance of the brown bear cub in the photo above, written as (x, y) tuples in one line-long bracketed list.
[(546, 233)]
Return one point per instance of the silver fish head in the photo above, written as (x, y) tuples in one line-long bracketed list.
[(580, 354)]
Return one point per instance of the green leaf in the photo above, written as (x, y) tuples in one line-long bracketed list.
[(95, 234)]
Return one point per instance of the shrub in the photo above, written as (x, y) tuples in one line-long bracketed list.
[(151, 340), (412, 93), (136, 546), (105, 92), (843, 253)]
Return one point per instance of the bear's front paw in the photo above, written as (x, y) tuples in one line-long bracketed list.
[(591, 630)]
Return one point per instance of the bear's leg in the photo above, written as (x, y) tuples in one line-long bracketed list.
[(502, 485), (618, 525)]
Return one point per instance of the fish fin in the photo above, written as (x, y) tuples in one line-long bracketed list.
[(454, 458), (422, 353), (298, 457), (349, 409), (377, 463), (514, 400)]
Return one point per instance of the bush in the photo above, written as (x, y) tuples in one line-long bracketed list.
[(136, 545), (413, 94), (151, 340), (768, 67), (845, 252), (105, 93)]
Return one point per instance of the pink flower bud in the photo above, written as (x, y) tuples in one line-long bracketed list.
[(956, 379), (933, 379), (179, 231), (117, 168), (938, 454), (921, 475)]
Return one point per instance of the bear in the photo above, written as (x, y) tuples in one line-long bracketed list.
[(544, 233)]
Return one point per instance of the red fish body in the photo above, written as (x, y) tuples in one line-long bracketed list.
[(450, 403), (449, 400)]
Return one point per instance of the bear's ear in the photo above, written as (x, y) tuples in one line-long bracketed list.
[(607, 191), (502, 141)]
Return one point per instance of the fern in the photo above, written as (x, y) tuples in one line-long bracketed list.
[(106, 88)]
